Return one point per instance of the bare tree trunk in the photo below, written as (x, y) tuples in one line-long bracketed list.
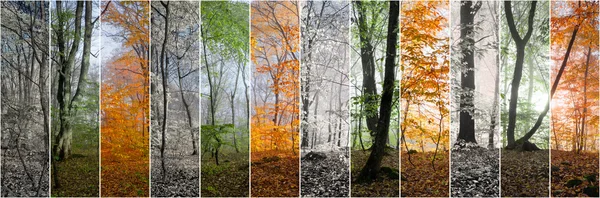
[(494, 117), (62, 147), (164, 70), (233, 110), (187, 111), (583, 119)]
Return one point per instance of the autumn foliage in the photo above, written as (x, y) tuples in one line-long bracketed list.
[(424, 92), (575, 103), (275, 45), (425, 70), (125, 103), (574, 121)]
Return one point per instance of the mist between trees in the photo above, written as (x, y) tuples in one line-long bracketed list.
[(175, 98), (325, 99), (225, 98)]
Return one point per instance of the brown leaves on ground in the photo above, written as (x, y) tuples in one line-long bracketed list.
[(574, 175), (228, 179), (384, 186), (275, 174), (524, 173), (124, 178), (423, 180)]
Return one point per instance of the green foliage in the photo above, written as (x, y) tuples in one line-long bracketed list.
[(225, 28), (212, 135)]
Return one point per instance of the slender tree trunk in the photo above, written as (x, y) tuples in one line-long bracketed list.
[(187, 112), (583, 119), (495, 108), (233, 111), (164, 70)]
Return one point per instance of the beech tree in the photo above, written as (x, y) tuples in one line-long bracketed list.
[(373, 165)]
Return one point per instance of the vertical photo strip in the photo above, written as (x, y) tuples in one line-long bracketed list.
[(374, 99), (325, 125), (425, 98), (574, 95), (225, 98), (524, 91), (175, 102), (275, 139), (125, 99), (26, 99), (475, 120), (75, 73)]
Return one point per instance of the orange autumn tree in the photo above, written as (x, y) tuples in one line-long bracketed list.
[(275, 50), (425, 118), (425, 98), (125, 101), (575, 103)]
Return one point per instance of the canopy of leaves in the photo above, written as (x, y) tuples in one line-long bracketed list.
[(125, 98)]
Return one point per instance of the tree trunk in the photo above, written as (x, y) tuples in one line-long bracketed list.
[(188, 113), (518, 71), (524, 139), (164, 70), (495, 108), (233, 111), (367, 59), (373, 166), (587, 65), (467, 78), (62, 147)]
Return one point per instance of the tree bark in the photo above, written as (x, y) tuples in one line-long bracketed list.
[(164, 64), (367, 59), (373, 166), (467, 78), (518, 71), (62, 147), (188, 113)]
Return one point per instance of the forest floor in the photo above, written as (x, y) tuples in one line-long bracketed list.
[(124, 178), (325, 174), (15, 182), (182, 177), (228, 179), (423, 180), (275, 174), (78, 175), (475, 172), (384, 186), (574, 175), (524, 173)]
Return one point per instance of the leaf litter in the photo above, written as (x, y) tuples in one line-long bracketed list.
[(325, 174), (574, 175), (384, 186)]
